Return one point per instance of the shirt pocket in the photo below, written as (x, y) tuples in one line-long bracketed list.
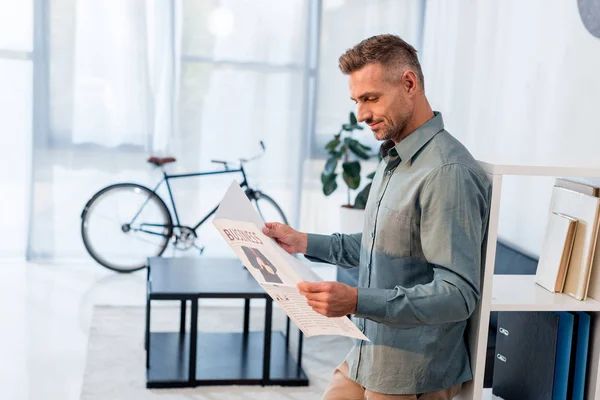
[(393, 233)]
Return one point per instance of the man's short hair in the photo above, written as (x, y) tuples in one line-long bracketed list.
[(390, 51)]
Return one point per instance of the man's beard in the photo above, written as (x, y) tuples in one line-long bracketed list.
[(395, 132)]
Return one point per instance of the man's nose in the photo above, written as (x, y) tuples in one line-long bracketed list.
[(363, 113)]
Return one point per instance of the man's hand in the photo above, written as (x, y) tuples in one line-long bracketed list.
[(331, 299), (289, 239)]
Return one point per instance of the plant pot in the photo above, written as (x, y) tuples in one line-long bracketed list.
[(351, 220)]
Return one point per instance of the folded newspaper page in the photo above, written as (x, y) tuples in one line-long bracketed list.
[(273, 268)]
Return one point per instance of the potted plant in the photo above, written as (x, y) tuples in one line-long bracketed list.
[(344, 149)]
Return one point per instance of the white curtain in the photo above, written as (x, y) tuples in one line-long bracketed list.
[(518, 83), (16, 78), (345, 24), (195, 79), (16, 116), (242, 82), (126, 69)]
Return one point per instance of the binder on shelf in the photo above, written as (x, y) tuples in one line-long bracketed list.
[(579, 355), (556, 252), (563, 355), (526, 350), (586, 210)]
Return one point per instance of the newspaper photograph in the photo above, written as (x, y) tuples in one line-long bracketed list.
[(274, 269)]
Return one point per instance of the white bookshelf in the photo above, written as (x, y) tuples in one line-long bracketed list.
[(519, 292)]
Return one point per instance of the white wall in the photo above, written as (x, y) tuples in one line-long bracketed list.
[(517, 82)]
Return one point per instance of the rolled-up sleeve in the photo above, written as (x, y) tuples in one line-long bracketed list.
[(454, 205), (340, 249)]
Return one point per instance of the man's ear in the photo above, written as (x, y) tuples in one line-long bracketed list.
[(410, 82)]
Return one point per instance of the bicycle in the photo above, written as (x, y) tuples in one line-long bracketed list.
[(147, 220)]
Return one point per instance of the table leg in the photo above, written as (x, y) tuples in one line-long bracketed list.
[(193, 340), (246, 316), (182, 317), (300, 339), (267, 348), (287, 333), (147, 333)]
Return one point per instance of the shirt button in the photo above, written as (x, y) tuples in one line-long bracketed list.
[(372, 235), (388, 173), (360, 327), (377, 203)]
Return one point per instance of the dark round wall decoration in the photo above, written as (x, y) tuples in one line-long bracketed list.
[(589, 10)]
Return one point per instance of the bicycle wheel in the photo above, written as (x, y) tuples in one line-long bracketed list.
[(268, 209), (124, 224)]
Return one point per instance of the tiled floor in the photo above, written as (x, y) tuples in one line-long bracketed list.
[(46, 311)]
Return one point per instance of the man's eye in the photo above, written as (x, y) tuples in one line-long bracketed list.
[(372, 99)]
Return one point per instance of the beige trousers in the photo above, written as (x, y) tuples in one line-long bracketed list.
[(343, 388)]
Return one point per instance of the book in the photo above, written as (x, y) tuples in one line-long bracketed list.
[(591, 190), (586, 210), (556, 252), (577, 186)]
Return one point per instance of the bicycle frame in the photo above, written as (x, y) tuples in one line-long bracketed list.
[(167, 177)]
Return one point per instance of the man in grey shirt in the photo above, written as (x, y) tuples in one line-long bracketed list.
[(420, 252)]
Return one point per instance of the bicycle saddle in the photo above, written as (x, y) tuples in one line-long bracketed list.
[(161, 161)]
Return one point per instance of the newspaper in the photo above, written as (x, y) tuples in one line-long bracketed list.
[(273, 268)]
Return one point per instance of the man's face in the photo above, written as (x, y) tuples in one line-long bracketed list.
[(384, 105)]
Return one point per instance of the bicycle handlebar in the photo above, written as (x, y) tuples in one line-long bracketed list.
[(225, 163), (243, 160), (256, 157)]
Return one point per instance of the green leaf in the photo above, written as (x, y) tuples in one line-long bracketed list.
[(351, 127), (362, 146), (352, 168), (330, 165), (356, 148), (353, 120), (352, 174), (329, 183), (333, 143), (336, 154), (371, 175), (361, 198)]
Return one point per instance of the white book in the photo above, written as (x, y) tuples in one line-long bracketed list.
[(586, 210), (556, 252)]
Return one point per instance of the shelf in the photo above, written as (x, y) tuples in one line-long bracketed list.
[(521, 293), (540, 170), (487, 395), (222, 359)]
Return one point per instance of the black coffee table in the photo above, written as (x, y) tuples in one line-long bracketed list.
[(184, 359)]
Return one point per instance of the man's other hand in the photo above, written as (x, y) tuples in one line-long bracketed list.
[(289, 239), (331, 299)]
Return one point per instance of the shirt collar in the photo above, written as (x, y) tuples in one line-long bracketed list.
[(411, 144)]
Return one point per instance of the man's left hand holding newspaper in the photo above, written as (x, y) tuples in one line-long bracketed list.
[(331, 299)]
